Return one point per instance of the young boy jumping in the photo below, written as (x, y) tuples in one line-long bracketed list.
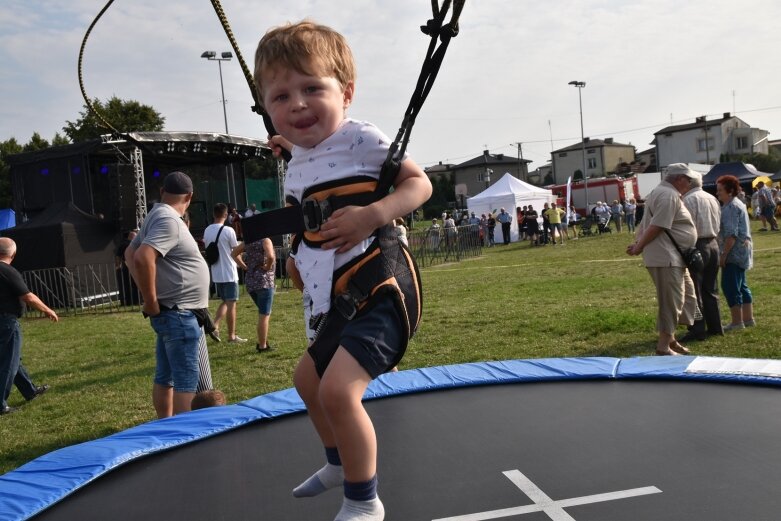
[(305, 75)]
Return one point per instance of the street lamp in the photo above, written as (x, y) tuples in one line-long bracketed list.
[(580, 85), (225, 56)]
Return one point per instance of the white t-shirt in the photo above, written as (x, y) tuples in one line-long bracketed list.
[(224, 270), (357, 148)]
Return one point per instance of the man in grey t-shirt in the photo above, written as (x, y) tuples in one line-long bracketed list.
[(173, 279)]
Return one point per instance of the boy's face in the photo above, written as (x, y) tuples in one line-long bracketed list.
[(305, 109)]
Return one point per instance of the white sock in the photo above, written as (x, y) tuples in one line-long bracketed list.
[(371, 510), (324, 479)]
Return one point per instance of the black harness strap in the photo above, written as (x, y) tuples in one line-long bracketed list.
[(428, 73)]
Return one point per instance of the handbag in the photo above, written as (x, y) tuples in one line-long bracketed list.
[(212, 253), (692, 257)]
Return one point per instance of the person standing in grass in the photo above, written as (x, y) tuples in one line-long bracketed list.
[(674, 287), (260, 264), (173, 279), (736, 253), (706, 214), (554, 223), (14, 297), (224, 272)]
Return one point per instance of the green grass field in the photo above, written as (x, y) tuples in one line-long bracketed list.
[(586, 298)]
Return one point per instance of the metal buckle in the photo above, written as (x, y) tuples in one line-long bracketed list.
[(345, 305), (315, 213)]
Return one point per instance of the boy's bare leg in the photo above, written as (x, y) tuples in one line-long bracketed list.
[(307, 384), (341, 391)]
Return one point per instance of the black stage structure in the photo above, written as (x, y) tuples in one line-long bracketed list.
[(75, 203), (99, 176), (650, 438)]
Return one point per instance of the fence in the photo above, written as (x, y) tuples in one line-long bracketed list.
[(440, 245), (87, 288), (105, 288)]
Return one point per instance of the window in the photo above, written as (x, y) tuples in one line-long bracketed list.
[(741, 142), (591, 151), (592, 162), (562, 154), (701, 144)]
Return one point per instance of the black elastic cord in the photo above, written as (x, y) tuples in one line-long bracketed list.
[(429, 70)]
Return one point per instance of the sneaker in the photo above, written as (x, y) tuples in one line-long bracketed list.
[(763, 229), (734, 327), (8, 410), (749, 323), (237, 340), (263, 349)]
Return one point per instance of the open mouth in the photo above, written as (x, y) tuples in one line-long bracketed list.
[(305, 123)]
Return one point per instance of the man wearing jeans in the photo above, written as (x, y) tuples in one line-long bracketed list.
[(173, 279), (224, 273), (14, 296)]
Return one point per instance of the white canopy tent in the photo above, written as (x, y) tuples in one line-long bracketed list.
[(509, 193)]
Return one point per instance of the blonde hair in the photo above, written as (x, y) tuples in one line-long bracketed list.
[(306, 47)]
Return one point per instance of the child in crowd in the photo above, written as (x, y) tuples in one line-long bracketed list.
[(305, 76)]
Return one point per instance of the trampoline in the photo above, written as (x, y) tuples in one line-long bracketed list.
[(650, 438)]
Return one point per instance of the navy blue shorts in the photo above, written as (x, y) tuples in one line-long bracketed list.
[(375, 339)]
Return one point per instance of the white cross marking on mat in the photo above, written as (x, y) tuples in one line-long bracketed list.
[(543, 503)]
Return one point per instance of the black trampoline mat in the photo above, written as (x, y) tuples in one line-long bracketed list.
[(574, 450)]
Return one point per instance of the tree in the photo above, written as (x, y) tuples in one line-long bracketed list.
[(124, 116), (8, 147), (770, 163), (444, 190)]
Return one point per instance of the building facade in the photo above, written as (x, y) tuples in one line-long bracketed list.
[(603, 157), (475, 175), (708, 141)]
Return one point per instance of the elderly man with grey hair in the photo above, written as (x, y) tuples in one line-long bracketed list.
[(666, 217), (706, 214)]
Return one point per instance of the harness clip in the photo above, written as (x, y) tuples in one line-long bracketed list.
[(345, 305), (315, 213)]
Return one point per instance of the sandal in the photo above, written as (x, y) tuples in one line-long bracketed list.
[(679, 348)]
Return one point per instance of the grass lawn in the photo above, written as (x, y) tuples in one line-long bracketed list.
[(586, 298)]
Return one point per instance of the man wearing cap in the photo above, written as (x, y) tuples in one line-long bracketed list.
[(173, 279), (666, 214), (706, 214)]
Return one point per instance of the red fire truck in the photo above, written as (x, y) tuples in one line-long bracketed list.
[(605, 189)]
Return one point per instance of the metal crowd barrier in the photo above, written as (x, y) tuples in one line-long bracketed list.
[(439, 245), (105, 288)]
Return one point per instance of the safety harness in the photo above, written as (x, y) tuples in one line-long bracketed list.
[(387, 268)]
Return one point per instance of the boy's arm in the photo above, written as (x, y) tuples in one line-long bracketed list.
[(349, 226)]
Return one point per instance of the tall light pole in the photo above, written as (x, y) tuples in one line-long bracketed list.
[(225, 56), (580, 85)]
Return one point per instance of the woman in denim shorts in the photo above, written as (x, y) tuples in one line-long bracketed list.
[(261, 266)]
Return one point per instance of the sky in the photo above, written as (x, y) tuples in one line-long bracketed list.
[(646, 64)]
